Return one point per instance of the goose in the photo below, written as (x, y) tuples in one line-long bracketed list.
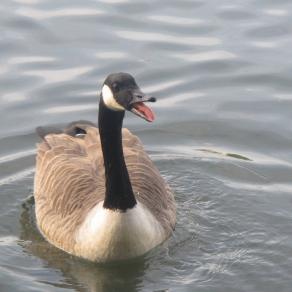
[(98, 196)]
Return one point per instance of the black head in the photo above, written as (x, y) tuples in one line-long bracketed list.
[(120, 92)]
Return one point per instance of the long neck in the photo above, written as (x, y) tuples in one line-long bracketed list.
[(119, 193)]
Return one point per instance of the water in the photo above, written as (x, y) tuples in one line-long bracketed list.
[(222, 137)]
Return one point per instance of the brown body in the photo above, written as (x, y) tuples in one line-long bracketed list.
[(70, 182)]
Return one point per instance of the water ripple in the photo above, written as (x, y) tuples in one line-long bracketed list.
[(206, 56), (180, 21), (42, 14), (16, 176), (157, 37)]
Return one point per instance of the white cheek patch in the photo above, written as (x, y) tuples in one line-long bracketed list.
[(109, 99)]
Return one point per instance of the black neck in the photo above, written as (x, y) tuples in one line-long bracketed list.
[(119, 193)]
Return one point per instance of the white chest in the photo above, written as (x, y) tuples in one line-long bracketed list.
[(113, 235)]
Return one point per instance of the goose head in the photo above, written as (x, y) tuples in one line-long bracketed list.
[(120, 92)]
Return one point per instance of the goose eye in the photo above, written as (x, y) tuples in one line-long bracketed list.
[(116, 87)]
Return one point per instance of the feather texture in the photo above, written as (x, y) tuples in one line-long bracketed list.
[(70, 183)]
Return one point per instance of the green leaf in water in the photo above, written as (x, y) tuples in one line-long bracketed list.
[(233, 155), (238, 156)]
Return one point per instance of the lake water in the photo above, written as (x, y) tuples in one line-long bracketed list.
[(222, 71)]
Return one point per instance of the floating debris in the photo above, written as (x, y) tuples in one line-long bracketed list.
[(233, 155)]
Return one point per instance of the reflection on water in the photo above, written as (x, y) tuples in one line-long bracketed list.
[(221, 138)]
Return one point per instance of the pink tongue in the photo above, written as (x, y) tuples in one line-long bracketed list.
[(145, 111)]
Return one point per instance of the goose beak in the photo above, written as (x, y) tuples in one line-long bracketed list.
[(139, 108)]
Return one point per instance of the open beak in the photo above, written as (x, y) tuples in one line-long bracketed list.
[(139, 108)]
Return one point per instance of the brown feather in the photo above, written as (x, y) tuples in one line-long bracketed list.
[(69, 182)]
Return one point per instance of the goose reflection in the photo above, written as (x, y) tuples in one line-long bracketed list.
[(79, 274)]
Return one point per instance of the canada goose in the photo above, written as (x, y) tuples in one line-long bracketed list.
[(97, 193)]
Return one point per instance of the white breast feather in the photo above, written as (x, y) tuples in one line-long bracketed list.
[(114, 235)]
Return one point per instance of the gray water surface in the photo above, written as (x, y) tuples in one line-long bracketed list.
[(222, 137)]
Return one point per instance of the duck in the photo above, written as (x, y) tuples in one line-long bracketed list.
[(98, 195)]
